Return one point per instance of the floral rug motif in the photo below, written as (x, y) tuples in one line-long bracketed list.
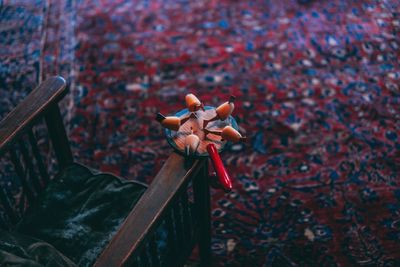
[(317, 87), (318, 96)]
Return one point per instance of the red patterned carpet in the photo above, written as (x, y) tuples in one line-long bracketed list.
[(317, 86)]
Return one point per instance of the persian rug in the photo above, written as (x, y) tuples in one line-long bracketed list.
[(317, 87), (36, 41)]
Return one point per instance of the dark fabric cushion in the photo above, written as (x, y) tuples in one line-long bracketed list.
[(20, 250), (80, 212)]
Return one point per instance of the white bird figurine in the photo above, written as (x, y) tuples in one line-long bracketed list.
[(172, 122), (223, 111), (193, 103), (227, 133), (192, 143)]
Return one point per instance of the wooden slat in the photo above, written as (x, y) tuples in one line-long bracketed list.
[(5, 202), (154, 254), (178, 224), (163, 252), (29, 166), (201, 192), (58, 137), (144, 257), (149, 209), (3, 223), (21, 175), (186, 216), (40, 99), (136, 262), (172, 247), (38, 157)]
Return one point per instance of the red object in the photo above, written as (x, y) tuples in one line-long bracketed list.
[(222, 174)]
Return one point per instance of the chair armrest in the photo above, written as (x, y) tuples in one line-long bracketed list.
[(38, 101), (147, 212)]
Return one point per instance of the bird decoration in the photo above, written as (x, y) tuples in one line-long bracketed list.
[(223, 111), (196, 142), (193, 103), (172, 122), (192, 142), (228, 133)]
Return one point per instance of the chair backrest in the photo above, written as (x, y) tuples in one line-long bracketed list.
[(29, 135)]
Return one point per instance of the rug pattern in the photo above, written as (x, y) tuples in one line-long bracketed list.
[(317, 86), (318, 97), (36, 41)]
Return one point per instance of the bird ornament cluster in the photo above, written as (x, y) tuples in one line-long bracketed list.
[(200, 131), (194, 105)]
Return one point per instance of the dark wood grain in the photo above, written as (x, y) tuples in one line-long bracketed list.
[(38, 157), (165, 200), (148, 211), (186, 218), (40, 99), (155, 257), (58, 137), (203, 213), (21, 175), (6, 204), (29, 167), (172, 242)]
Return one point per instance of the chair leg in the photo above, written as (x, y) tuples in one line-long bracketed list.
[(205, 236), (202, 199)]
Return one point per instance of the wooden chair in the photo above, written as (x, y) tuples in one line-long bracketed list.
[(176, 203)]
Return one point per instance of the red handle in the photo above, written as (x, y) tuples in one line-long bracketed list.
[(222, 174)]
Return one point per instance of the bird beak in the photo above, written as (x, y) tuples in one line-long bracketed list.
[(160, 117)]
